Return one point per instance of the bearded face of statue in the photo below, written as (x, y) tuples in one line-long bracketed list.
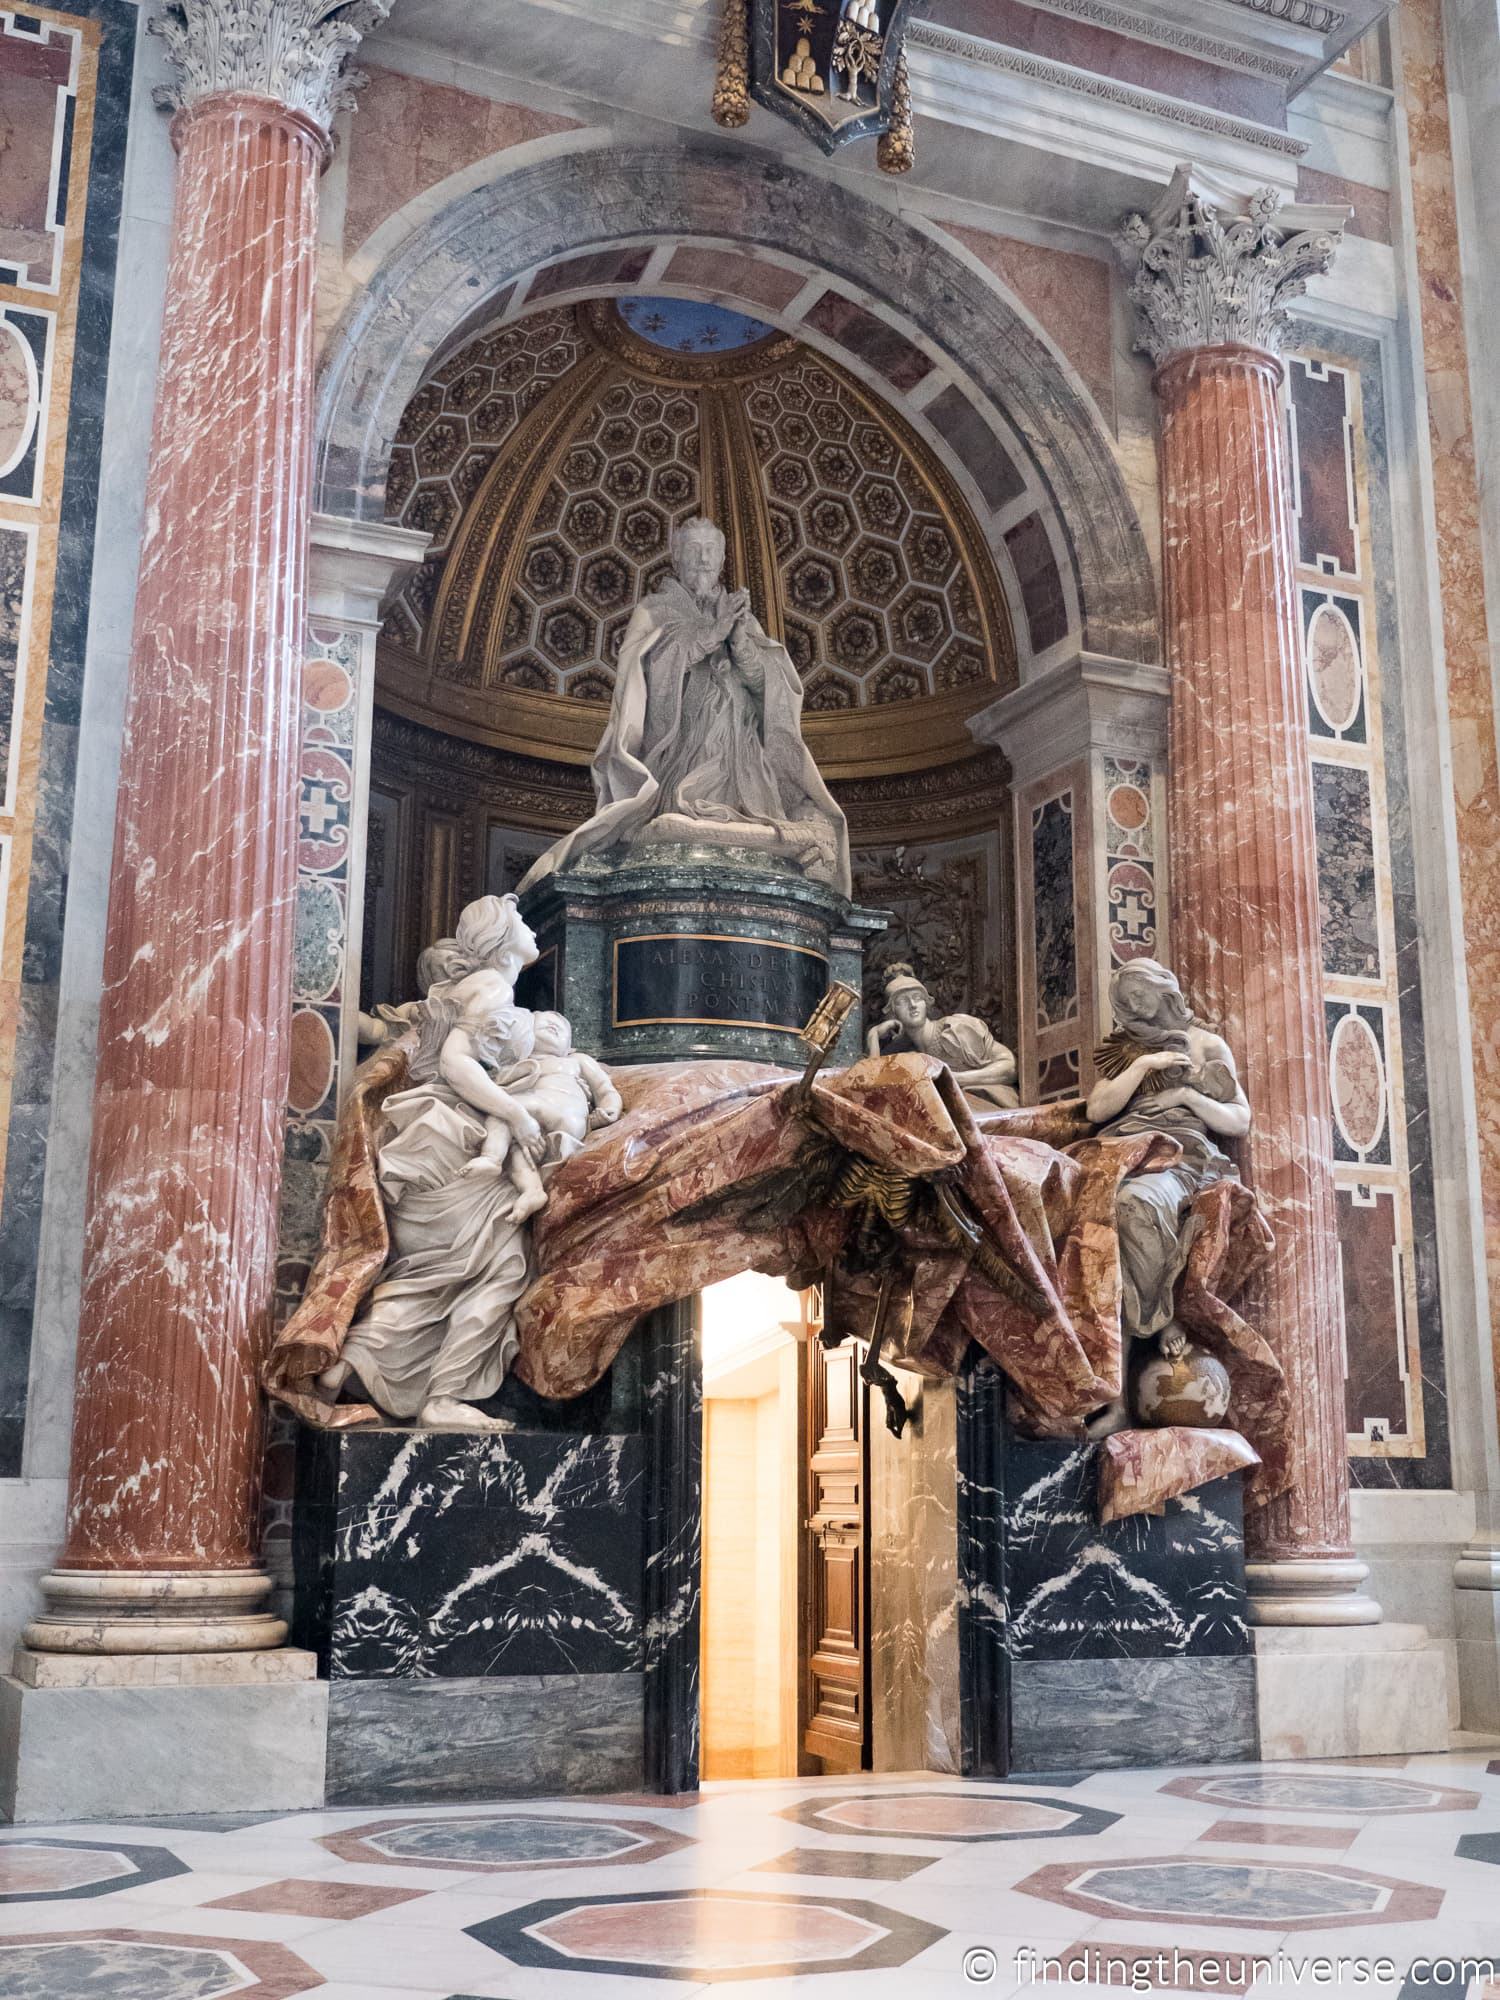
[(698, 561)]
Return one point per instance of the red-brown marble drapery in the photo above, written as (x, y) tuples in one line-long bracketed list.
[(186, 1151), (1245, 911)]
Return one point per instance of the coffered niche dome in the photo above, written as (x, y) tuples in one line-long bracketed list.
[(549, 461)]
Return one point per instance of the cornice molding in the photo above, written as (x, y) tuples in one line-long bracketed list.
[(927, 39)]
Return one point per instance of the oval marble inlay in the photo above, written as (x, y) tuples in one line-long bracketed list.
[(313, 1061), (1358, 1076), (1333, 666), (18, 397), (708, 1933), (1128, 807), (508, 1840), (941, 1817), (326, 686)]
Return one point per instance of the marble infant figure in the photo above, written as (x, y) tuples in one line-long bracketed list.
[(565, 1093)]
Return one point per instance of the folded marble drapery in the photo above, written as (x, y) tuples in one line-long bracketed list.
[(1140, 1471), (719, 1167)]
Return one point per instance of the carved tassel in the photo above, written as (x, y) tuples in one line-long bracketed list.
[(731, 106), (897, 150)]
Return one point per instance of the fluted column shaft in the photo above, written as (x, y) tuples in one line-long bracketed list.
[(1244, 874), (186, 1153)]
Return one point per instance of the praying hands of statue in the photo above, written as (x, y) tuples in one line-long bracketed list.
[(728, 622)]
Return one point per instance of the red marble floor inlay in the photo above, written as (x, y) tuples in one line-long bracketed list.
[(709, 1932), (27, 1870), (1278, 1833), (341, 1902)]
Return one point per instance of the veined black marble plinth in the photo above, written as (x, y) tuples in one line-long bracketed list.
[(477, 1606), (654, 961), (1127, 1643)]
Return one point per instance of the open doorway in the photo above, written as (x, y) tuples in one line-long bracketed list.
[(753, 1369)]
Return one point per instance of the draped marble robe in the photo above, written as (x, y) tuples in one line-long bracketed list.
[(706, 738)]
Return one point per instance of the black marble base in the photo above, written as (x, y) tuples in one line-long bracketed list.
[(531, 1736), (684, 955), (1151, 1587), (1105, 1714), (423, 1555)]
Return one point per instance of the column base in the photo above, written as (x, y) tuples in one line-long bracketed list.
[(1476, 1633), (1310, 1591), (154, 1611), (124, 1738), (1371, 1691)]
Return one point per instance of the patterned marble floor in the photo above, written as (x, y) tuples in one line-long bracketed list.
[(1359, 1878)]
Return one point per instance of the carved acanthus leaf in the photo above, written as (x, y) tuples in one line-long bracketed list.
[(1203, 280), (293, 50)]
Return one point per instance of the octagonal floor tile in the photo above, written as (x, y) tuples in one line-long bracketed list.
[(1322, 1792), (497, 1842), (950, 1816), (140, 1965), (707, 1934), (34, 1870), (1283, 1896)]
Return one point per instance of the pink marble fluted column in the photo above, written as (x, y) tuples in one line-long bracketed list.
[(1245, 924), (185, 1167)]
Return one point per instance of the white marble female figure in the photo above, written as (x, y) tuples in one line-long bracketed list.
[(982, 1066), (437, 1332), (1161, 1071), (703, 747)]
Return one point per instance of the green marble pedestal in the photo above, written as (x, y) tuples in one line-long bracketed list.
[(660, 960)]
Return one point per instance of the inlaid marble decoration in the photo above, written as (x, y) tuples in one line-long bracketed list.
[(501, 1842), (1372, 983), (1130, 843), (142, 1965), (1052, 910), (708, 1935), (1249, 1895), (65, 76), (42, 1870), (952, 1816), (422, 1555), (1323, 1792)]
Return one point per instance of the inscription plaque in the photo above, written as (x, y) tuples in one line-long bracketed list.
[(724, 982)]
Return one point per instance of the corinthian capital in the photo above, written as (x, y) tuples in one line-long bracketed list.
[(1206, 275), (292, 50)]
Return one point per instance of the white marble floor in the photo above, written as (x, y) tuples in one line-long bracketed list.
[(1356, 1878)]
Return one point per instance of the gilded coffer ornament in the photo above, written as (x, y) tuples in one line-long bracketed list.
[(834, 67)]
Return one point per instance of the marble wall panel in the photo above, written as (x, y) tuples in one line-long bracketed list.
[(411, 133), (65, 80), (425, 1556), (1169, 1586), (1068, 295), (914, 1649), (1341, 476), (1040, 582)]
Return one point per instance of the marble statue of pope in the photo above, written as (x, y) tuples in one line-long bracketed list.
[(703, 747)]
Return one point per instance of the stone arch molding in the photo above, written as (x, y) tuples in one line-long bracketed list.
[(438, 279)]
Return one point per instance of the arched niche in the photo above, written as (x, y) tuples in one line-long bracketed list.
[(1036, 426)]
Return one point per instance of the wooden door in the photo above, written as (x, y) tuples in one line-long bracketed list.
[(837, 1703)]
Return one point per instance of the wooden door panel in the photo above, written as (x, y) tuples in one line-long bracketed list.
[(838, 1667)]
